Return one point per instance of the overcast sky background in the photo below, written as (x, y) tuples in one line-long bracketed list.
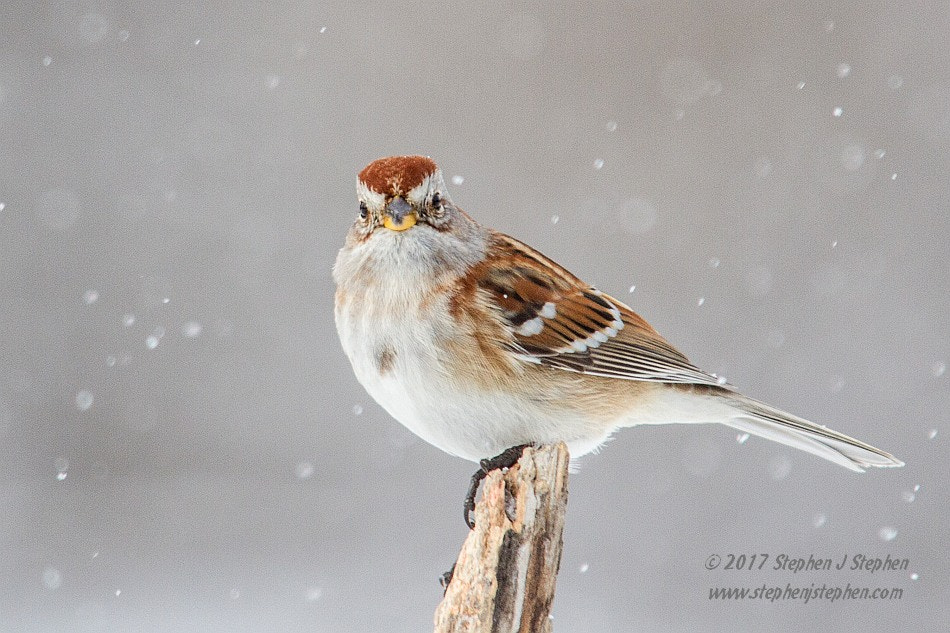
[(183, 446)]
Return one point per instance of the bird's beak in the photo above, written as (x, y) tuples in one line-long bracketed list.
[(399, 215)]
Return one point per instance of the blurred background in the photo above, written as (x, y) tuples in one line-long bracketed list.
[(183, 446)]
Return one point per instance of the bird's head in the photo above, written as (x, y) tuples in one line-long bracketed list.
[(407, 225), (400, 192)]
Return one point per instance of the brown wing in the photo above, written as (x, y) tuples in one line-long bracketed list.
[(559, 321)]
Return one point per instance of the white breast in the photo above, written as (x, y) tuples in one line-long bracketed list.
[(419, 392), (390, 310), (415, 388)]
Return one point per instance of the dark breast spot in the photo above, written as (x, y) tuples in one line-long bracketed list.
[(385, 358)]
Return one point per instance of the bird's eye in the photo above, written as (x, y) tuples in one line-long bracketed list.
[(364, 211), (436, 200)]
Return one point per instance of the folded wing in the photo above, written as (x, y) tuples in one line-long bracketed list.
[(559, 321)]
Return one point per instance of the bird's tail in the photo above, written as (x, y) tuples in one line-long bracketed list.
[(757, 418)]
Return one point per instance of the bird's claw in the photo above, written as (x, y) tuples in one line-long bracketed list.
[(506, 459), (446, 578)]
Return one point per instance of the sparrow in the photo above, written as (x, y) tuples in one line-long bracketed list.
[(480, 345)]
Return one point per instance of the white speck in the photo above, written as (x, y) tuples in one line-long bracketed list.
[(583, 568), (198, 41), (837, 112), (713, 262), (932, 434), (52, 578), (834, 244), (166, 300), (118, 592), (457, 180), (779, 467), (909, 496), (47, 60), (801, 84), (548, 310), (939, 369), (701, 301), (611, 126), (123, 35), (304, 470), (887, 533), (84, 400), (323, 30), (894, 176), (917, 488), (357, 409), (128, 320), (879, 154), (90, 297), (555, 219), (829, 26), (191, 329), (314, 594), (234, 594), (272, 81), (595, 339), (3, 206), (819, 520), (110, 361), (742, 437), (721, 380), (60, 476), (895, 81), (632, 288), (598, 163), (151, 342), (531, 327), (852, 157), (843, 70), (914, 576)]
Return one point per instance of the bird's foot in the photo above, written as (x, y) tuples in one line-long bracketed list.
[(506, 459), (446, 578)]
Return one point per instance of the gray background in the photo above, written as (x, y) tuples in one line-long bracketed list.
[(185, 172)]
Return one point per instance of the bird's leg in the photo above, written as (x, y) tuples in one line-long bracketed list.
[(506, 459)]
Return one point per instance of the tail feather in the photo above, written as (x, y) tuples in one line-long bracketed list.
[(758, 418)]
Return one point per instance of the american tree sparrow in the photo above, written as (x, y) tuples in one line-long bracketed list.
[(478, 343)]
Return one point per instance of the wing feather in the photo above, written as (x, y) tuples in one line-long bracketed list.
[(559, 321)]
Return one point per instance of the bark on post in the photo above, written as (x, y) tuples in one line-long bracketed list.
[(505, 574)]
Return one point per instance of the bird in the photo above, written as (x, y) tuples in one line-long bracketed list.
[(480, 345)]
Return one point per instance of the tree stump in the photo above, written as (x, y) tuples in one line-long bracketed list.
[(505, 574)]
